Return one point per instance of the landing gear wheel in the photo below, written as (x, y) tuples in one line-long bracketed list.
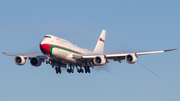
[(68, 70), (89, 71), (81, 70), (85, 68), (72, 71), (56, 70), (85, 71), (59, 71), (78, 70)]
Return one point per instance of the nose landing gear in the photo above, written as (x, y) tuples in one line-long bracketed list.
[(58, 70)]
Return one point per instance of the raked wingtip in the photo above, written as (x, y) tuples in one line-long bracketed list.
[(170, 50)]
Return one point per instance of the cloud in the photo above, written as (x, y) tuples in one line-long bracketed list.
[(2, 42)]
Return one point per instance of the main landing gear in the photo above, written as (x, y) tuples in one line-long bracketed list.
[(87, 69), (71, 70), (80, 70)]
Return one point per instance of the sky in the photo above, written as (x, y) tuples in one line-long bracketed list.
[(131, 25)]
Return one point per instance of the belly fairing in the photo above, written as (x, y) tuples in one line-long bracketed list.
[(60, 53), (63, 54)]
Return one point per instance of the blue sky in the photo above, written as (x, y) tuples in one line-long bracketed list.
[(131, 26)]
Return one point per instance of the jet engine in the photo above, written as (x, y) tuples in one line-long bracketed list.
[(20, 60), (35, 61), (131, 58), (99, 60)]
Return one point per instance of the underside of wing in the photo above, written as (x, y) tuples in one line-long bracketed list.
[(129, 57), (26, 55), (80, 60), (35, 59)]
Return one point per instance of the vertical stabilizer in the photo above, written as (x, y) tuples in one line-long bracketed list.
[(100, 44)]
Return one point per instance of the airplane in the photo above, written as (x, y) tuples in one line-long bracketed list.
[(59, 53)]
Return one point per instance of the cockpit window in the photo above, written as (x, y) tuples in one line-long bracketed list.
[(47, 37)]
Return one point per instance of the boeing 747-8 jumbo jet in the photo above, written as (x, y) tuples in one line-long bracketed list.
[(59, 53)]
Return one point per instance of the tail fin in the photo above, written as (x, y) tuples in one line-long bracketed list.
[(100, 44)]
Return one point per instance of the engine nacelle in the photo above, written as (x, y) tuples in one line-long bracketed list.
[(99, 60), (20, 60), (35, 61), (131, 58)]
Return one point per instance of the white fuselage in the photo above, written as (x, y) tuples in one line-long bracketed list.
[(61, 48)]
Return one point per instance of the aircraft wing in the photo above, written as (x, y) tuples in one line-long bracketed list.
[(27, 56), (122, 55)]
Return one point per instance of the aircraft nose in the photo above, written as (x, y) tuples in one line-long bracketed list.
[(45, 48)]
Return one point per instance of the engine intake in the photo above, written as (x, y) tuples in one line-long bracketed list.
[(99, 60), (20, 60), (131, 58), (35, 61)]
